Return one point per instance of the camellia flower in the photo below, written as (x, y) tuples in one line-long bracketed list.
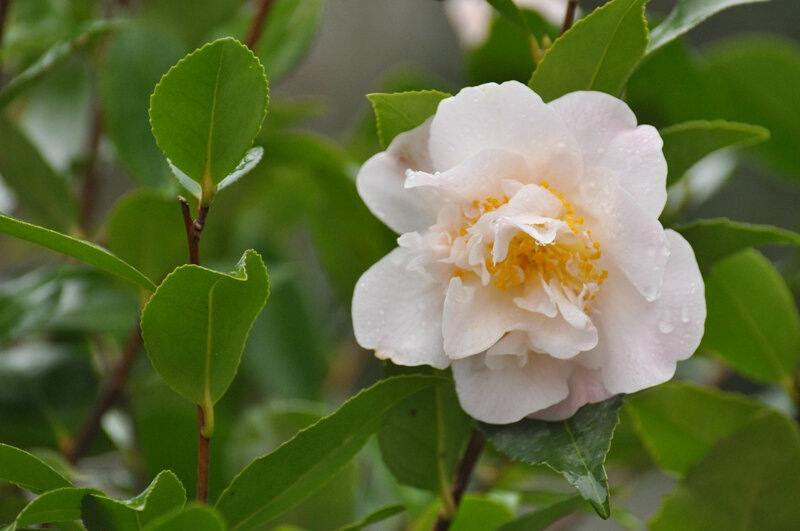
[(472, 18), (531, 259)]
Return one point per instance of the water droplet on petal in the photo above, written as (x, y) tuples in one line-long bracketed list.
[(666, 326), (685, 313)]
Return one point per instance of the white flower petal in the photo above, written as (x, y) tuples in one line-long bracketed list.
[(380, 183), (509, 117), (585, 387), (640, 341), (506, 395), (398, 313), (559, 338)]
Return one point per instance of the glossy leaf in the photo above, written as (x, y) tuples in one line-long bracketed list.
[(687, 143), (686, 15), (423, 438), (475, 512), (250, 161), (273, 483), (58, 505), (576, 448), (681, 422), (146, 230), (716, 239), (748, 481), (194, 517), (43, 193), (541, 518), (598, 53), (82, 250), (374, 517), (752, 321), (28, 471), (289, 30), (196, 323), (403, 111), (207, 135)]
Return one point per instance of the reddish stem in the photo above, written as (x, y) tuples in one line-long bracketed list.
[(460, 482), (569, 16), (257, 25)]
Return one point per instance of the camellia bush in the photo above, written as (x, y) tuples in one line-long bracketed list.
[(493, 305)]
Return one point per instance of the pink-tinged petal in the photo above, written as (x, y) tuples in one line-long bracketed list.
[(585, 387), (380, 183), (605, 129), (560, 339), (509, 117), (641, 341), (477, 178), (508, 394), (398, 313)]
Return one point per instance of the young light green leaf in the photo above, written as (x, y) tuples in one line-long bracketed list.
[(687, 143), (194, 517), (476, 512), (681, 422), (686, 15), (196, 323), (28, 471), (752, 321), (748, 481), (275, 482), (208, 134), (715, 239), (146, 230), (540, 519), (576, 448), (403, 111), (374, 517), (59, 505), (423, 438), (84, 251), (43, 193), (598, 53), (290, 28)]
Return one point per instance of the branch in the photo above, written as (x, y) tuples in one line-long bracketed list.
[(569, 16), (257, 24), (468, 462)]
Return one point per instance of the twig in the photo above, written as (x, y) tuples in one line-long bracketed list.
[(88, 192), (194, 228), (468, 462), (113, 388), (257, 24), (572, 5), (3, 12)]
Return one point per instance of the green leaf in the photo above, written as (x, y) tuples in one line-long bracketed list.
[(273, 483), (749, 481), (540, 519), (194, 517), (686, 15), (576, 448), (423, 438), (681, 422), (374, 517), (58, 505), (84, 251), (146, 230), (403, 111), (510, 11), (133, 62), (715, 239), (43, 193), (506, 54), (196, 323), (598, 53), (752, 321), (207, 135), (290, 28), (475, 512), (99, 513), (28, 471), (687, 143)]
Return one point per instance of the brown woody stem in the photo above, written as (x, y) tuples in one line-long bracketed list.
[(569, 16), (460, 482), (257, 25)]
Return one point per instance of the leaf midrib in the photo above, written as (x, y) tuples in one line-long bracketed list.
[(212, 119), (604, 55)]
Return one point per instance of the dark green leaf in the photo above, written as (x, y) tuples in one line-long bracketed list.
[(539, 519), (598, 53), (687, 143), (374, 517), (277, 481), (748, 481), (422, 439), (686, 15), (509, 10), (28, 471), (576, 448), (290, 28), (681, 422), (194, 517), (752, 321), (206, 136), (715, 239), (99, 513), (58, 505), (82, 250), (403, 111), (476, 513), (196, 323), (43, 193)]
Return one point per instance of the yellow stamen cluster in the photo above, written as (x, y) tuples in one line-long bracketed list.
[(481, 207)]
